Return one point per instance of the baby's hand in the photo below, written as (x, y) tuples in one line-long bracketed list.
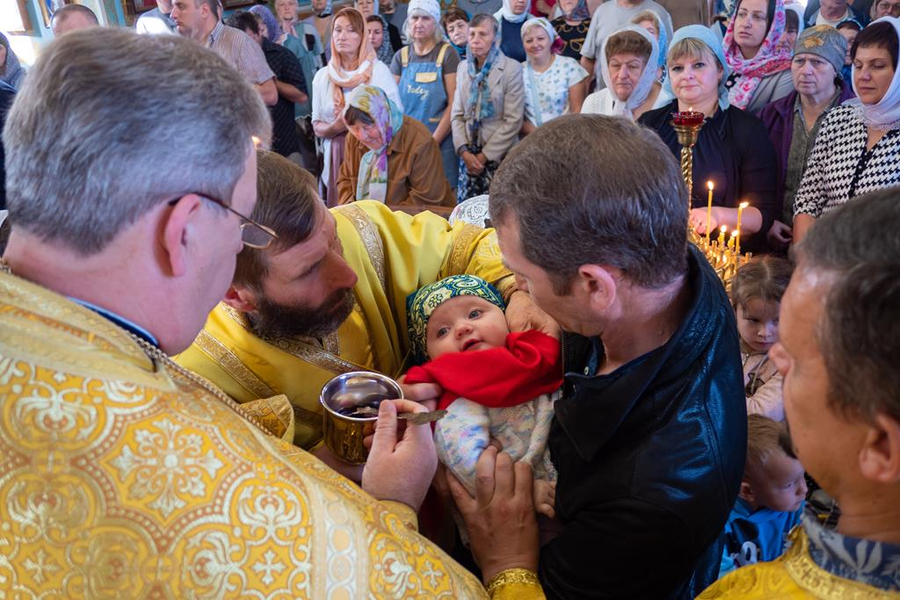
[(545, 497)]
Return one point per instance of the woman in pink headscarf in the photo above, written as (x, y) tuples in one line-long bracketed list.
[(353, 63), (762, 69)]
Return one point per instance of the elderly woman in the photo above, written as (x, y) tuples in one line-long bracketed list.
[(794, 121), (761, 71), (11, 72), (554, 85), (858, 147), (426, 73), (885, 8), (793, 26), (510, 19), (487, 109), (353, 63), (389, 157), (733, 151), (628, 62), (572, 26)]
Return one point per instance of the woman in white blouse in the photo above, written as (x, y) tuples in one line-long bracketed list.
[(353, 63)]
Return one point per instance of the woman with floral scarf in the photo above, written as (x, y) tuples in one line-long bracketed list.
[(488, 108), (389, 157), (762, 69)]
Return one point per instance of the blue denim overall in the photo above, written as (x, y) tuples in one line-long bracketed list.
[(424, 98)]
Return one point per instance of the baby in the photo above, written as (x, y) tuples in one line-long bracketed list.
[(770, 502), (497, 384), (756, 292)]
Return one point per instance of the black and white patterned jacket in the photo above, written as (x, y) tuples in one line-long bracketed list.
[(840, 167)]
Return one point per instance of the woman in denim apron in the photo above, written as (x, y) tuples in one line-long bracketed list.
[(427, 88)]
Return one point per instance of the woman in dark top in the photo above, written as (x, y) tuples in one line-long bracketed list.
[(511, 18), (572, 26), (733, 151)]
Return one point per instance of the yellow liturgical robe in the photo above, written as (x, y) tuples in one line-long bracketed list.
[(793, 576), (122, 476), (393, 254)]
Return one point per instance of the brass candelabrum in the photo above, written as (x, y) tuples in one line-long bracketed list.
[(723, 254)]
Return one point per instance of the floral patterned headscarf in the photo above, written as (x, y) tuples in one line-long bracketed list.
[(768, 60), (422, 303), (373, 167)]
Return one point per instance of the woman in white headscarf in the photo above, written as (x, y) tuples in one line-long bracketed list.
[(554, 85), (510, 19), (628, 64), (858, 147)]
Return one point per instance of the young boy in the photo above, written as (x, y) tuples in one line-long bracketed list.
[(770, 501), (496, 384)]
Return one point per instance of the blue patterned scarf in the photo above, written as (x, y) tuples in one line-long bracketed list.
[(479, 104)]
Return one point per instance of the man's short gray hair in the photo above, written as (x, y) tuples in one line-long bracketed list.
[(589, 189), (109, 124), (64, 12), (859, 336)]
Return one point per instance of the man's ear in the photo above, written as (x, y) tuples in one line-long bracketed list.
[(597, 285), (240, 298), (879, 457), (179, 227)]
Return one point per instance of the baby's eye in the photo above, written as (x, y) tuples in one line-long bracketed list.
[(475, 313), (443, 331)]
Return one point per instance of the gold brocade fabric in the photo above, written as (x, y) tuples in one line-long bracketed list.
[(119, 479), (793, 576), (393, 254)]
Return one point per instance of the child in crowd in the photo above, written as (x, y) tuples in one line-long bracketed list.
[(770, 501), (496, 384), (756, 292)]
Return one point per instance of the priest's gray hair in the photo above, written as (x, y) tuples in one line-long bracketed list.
[(109, 124), (590, 189)]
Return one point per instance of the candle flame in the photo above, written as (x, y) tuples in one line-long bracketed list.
[(709, 185), (734, 233), (256, 141), (744, 204), (723, 229), (690, 109)]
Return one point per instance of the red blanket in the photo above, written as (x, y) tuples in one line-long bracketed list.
[(529, 365)]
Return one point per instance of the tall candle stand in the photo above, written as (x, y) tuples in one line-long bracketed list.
[(687, 125)]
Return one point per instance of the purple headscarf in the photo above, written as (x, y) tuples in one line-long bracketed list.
[(272, 26)]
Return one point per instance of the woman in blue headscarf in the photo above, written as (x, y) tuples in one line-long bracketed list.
[(733, 150), (11, 72)]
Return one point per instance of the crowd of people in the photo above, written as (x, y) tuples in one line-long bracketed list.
[(179, 284)]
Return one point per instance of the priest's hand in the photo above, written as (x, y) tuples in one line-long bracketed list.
[(503, 531), (402, 460), (523, 314)]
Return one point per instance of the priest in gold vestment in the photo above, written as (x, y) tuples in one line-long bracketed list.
[(365, 259), (122, 474)]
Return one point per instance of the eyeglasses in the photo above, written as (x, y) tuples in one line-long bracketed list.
[(253, 234)]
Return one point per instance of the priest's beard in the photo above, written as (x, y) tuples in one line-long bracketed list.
[(271, 320)]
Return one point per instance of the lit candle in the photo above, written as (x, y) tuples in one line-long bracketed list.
[(741, 207), (709, 184), (731, 240)]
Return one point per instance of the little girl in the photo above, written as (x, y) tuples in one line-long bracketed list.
[(756, 292)]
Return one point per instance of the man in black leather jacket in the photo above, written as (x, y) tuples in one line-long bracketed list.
[(650, 436)]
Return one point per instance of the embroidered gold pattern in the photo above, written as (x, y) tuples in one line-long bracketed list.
[(370, 238), (512, 576), (229, 361)]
